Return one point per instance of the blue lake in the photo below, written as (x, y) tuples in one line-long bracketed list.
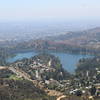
[(68, 60)]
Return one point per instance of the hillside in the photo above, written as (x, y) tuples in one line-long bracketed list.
[(20, 90), (87, 41), (86, 38), (42, 67), (14, 87), (89, 66)]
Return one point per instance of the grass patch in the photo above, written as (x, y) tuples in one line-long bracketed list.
[(15, 77)]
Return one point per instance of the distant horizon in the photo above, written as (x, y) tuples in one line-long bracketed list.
[(88, 24), (22, 18), (42, 28)]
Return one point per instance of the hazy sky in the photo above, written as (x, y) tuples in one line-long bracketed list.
[(49, 9)]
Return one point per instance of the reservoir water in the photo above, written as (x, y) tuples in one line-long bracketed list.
[(68, 61)]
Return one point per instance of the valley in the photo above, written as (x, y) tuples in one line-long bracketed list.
[(63, 67)]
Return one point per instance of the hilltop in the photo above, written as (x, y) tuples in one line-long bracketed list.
[(43, 67)]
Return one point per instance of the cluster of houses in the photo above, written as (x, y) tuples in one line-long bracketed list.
[(71, 86), (37, 66)]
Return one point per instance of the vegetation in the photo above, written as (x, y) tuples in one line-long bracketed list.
[(88, 64), (86, 75), (56, 70), (6, 73), (4, 54), (21, 90), (87, 42), (15, 77)]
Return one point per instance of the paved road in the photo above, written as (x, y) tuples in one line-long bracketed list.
[(61, 97)]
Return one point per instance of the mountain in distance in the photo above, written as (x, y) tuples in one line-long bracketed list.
[(74, 41), (87, 41), (87, 38)]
